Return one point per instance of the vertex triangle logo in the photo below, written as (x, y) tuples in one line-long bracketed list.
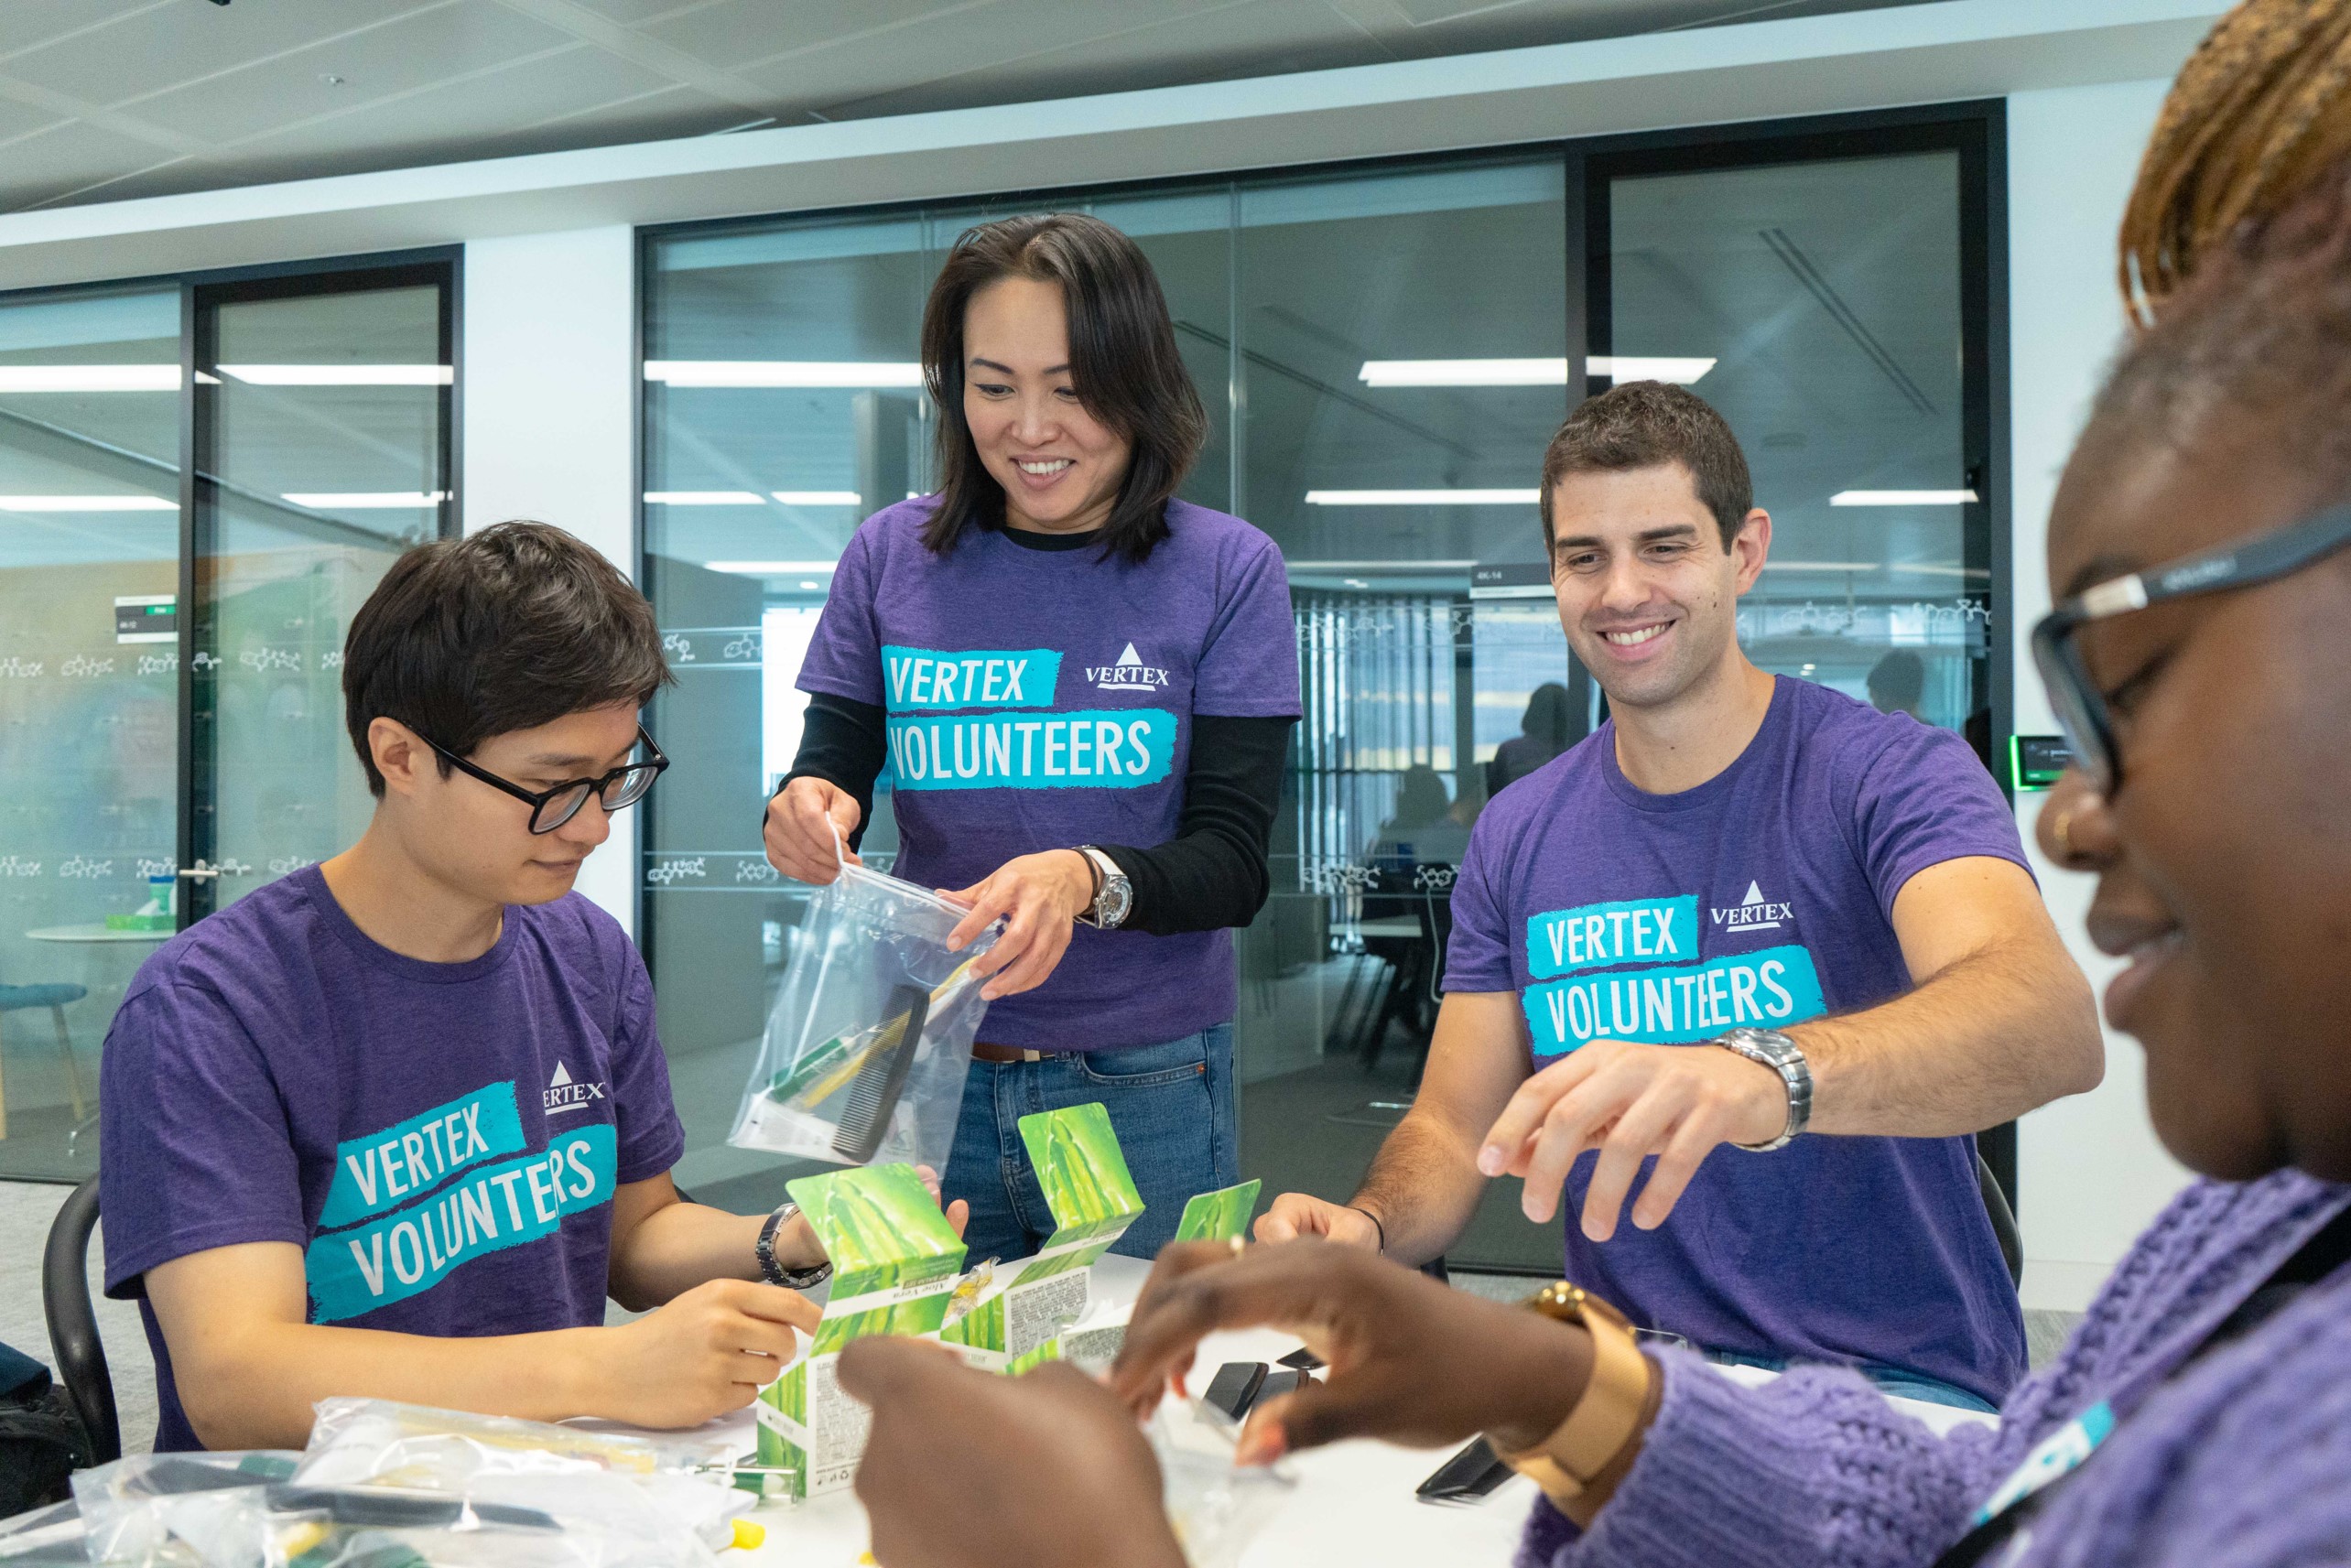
[(1127, 673), (566, 1094), (1755, 912)]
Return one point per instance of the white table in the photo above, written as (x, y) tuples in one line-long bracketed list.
[(1353, 1505)]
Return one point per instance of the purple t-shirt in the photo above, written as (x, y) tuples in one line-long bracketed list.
[(442, 1140), (1040, 699), (1764, 896)]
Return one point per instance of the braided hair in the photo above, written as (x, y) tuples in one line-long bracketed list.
[(2261, 110)]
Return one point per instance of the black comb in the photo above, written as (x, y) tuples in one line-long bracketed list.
[(873, 1095)]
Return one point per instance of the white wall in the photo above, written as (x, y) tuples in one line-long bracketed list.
[(2090, 1174), (549, 421)]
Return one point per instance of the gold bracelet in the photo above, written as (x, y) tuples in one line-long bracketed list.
[(1595, 1432)]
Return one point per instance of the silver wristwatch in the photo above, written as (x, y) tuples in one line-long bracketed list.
[(1114, 894), (1785, 1057), (771, 1270)]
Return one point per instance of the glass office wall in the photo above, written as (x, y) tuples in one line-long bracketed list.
[(1823, 299), (1384, 354), (160, 763), (89, 692), (322, 433)]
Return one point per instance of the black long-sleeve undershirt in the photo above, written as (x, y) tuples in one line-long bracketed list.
[(1212, 874)]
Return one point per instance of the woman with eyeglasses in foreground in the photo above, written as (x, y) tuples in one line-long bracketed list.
[(2202, 1413)]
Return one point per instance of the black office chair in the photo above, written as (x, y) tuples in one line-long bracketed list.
[(2004, 1226), (73, 1327)]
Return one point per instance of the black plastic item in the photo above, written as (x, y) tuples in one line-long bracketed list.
[(1469, 1476), (73, 1327), (174, 1478), (1234, 1389), (366, 1507), (2003, 1218), (1303, 1360), (873, 1095)]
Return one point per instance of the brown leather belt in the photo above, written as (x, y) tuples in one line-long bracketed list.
[(984, 1051)]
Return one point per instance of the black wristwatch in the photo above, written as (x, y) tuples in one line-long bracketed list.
[(774, 1273)]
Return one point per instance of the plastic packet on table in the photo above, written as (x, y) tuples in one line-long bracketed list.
[(1217, 1506), (642, 1487), (387, 1443), (870, 1039), (43, 1537), (288, 1525), (167, 1509)]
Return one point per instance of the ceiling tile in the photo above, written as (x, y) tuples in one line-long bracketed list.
[(733, 32), (74, 155), (28, 24), (418, 51), (435, 79), (505, 113), (961, 52), (634, 13), (21, 120), (150, 51)]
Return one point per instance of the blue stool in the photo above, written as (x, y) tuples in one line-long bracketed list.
[(16, 998)]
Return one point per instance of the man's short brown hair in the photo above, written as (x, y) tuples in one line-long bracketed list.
[(514, 627), (1640, 425)]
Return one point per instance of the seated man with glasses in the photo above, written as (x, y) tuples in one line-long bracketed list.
[(396, 1124)]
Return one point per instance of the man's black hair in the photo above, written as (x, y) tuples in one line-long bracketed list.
[(508, 629)]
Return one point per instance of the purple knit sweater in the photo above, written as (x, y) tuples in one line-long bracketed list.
[(2244, 1460)]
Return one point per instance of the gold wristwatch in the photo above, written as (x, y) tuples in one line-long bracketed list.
[(1606, 1418)]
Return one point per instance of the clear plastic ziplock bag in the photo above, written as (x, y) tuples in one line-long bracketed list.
[(1216, 1506), (166, 1510), (649, 1488), (870, 1039)]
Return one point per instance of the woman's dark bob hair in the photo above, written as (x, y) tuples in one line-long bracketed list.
[(1123, 366)]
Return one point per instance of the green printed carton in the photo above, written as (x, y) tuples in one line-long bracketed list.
[(1093, 1341), (1017, 1317), (896, 1261), (1219, 1215)]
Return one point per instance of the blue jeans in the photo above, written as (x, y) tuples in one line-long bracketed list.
[(1895, 1382), (1171, 1106)]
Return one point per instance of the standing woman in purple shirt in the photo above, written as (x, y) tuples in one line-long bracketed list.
[(1082, 689)]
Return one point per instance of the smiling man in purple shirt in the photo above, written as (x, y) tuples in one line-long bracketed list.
[(1832, 902)]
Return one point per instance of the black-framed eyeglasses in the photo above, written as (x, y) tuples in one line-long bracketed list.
[(2081, 709), (551, 808)]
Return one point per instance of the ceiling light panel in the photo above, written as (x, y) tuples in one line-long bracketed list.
[(1680, 371), (366, 499), (1423, 497), (818, 497), (86, 503), (852, 373), (1902, 498), (705, 498), (89, 378), (340, 375)]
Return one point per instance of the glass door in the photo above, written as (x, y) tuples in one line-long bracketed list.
[(89, 492), (199, 483), (322, 450)]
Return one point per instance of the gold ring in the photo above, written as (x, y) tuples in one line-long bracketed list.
[(2063, 831)]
